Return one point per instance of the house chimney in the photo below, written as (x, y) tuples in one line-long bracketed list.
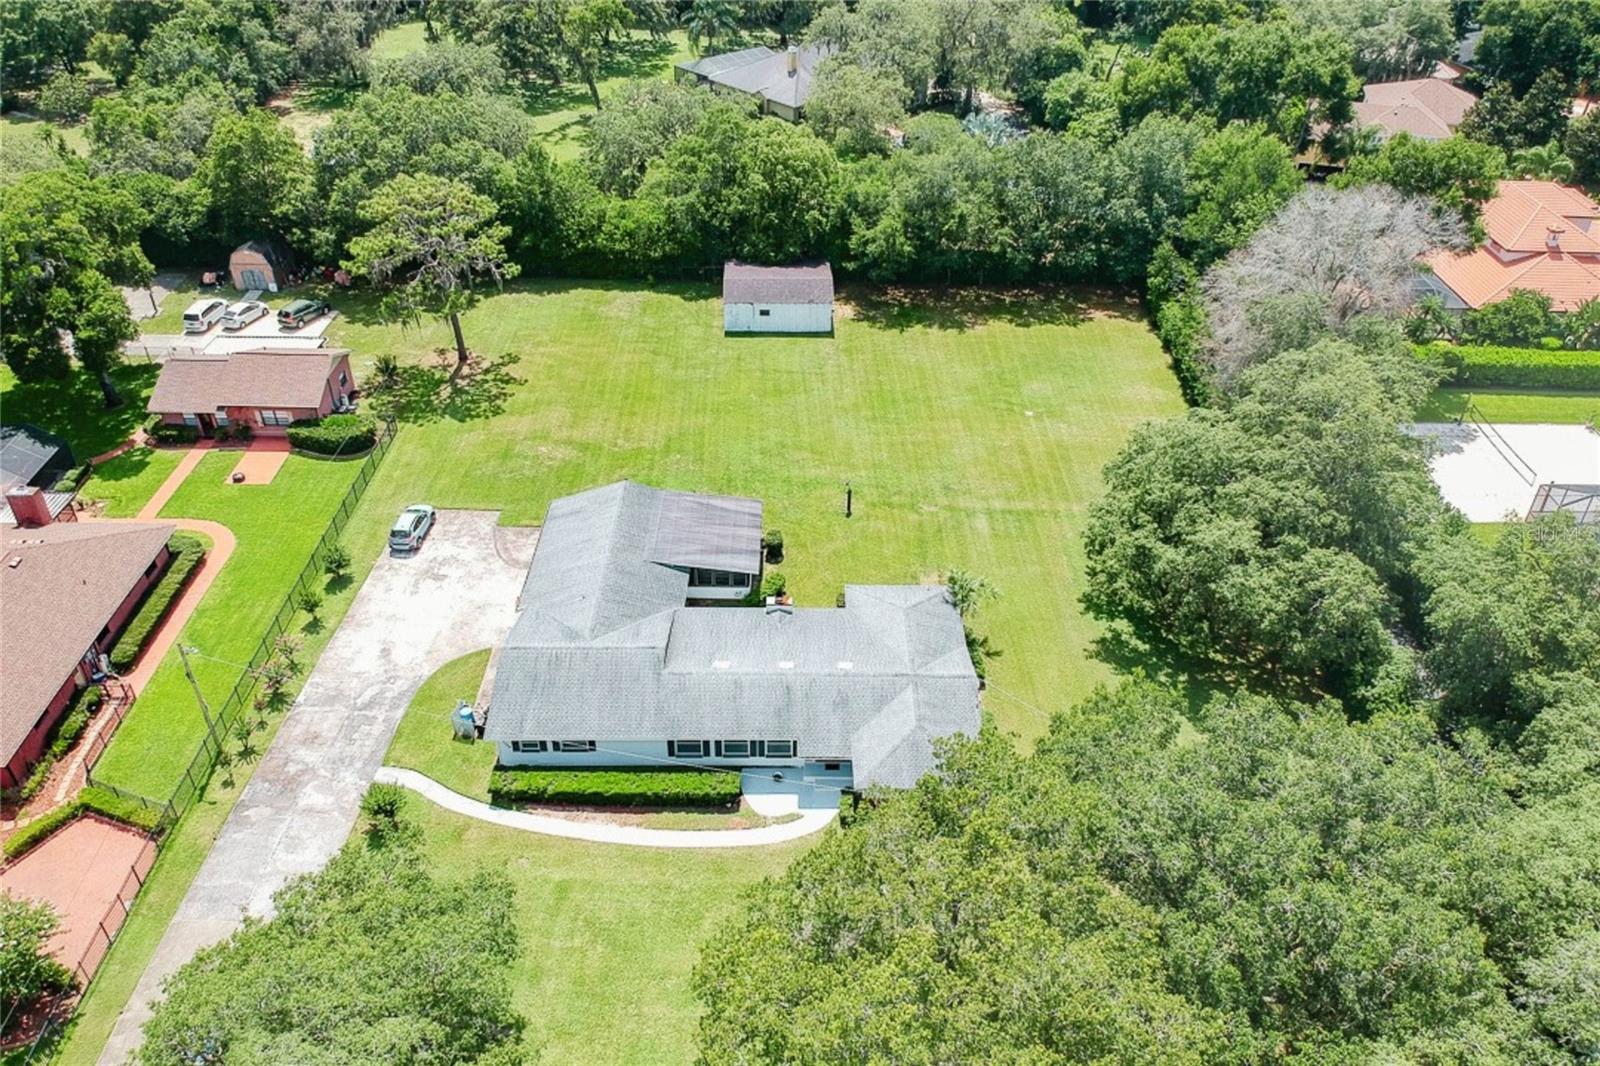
[(1552, 236), (794, 59), (28, 507)]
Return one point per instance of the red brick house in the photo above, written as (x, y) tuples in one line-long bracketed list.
[(264, 388), (66, 592)]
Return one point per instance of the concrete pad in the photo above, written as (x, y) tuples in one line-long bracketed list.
[(1491, 475), (414, 613), (261, 461)]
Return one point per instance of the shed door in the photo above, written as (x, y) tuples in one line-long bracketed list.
[(253, 278)]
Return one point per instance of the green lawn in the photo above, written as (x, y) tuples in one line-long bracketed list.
[(1495, 405), (74, 407), (609, 934), (424, 741), (126, 483), (277, 526), (23, 148), (973, 433), (401, 40)]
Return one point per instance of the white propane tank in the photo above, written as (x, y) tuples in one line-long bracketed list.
[(465, 726)]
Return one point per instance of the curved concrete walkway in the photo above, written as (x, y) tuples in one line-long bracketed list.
[(809, 821)]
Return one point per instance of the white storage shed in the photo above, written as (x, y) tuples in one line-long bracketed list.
[(777, 299)]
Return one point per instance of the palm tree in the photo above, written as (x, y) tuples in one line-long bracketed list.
[(709, 19), (1545, 162)]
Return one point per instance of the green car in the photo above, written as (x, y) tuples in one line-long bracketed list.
[(300, 312)]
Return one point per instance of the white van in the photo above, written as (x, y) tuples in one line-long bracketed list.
[(203, 314)]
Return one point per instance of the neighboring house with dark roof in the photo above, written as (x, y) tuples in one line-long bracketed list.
[(777, 299), (1427, 108), (1542, 236), (607, 665), (66, 592), (265, 388), (779, 82), (31, 462), (31, 456), (261, 264)]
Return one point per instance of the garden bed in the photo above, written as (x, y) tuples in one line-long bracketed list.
[(187, 553)]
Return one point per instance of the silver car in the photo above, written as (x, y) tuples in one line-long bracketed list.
[(411, 528), (241, 314)]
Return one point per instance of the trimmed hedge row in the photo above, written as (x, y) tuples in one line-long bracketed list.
[(187, 551), (63, 735), (90, 801), (334, 435), (617, 788), (1519, 367), (174, 434)]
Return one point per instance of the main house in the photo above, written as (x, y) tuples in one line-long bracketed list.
[(778, 82), (608, 665), (66, 592), (265, 388), (1542, 236), (1429, 109)]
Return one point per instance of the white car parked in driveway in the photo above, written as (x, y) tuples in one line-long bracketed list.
[(241, 314), (411, 528), (203, 314)]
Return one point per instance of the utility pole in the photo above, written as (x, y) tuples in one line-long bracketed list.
[(211, 727)]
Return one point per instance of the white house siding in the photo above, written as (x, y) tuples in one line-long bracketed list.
[(779, 318), (627, 754)]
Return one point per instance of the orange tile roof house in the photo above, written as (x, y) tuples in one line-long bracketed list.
[(266, 388), (1541, 236), (1427, 108), (66, 591)]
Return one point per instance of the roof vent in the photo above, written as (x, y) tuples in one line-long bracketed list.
[(13, 561), (793, 55), (785, 664), (1552, 236)]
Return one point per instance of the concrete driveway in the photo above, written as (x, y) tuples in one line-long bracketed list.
[(413, 614)]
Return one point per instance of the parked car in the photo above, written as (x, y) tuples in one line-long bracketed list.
[(241, 314), (300, 312), (203, 314), (411, 528)]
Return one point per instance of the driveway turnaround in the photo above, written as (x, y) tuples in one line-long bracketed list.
[(809, 821), (414, 614), (1492, 473)]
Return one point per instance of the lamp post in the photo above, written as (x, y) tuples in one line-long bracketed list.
[(205, 711)]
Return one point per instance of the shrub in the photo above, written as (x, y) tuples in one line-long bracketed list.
[(165, 433), (34, 833), (63, 735), (336, 560), (617, 788), (310, 601), (65, 98), (334, 435), (772, 544), (773, 584), (128, 812), (187, 551), (1518, 367)]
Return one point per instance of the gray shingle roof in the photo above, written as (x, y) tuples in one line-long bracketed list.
[(606, 650), (803, 283), (261, 377), (763, 72), (25, 450)]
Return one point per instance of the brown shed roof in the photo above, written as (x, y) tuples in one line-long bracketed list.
[(803, 283), (59, 586), (261, 377)]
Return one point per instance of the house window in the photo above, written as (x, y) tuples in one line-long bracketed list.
[(765, 312), (275, 418), (222, 417), (736, 749), (830, 766), (779, 749), (573, 745), (528, 747), (688, 749), (344, 379), (191, 420)]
